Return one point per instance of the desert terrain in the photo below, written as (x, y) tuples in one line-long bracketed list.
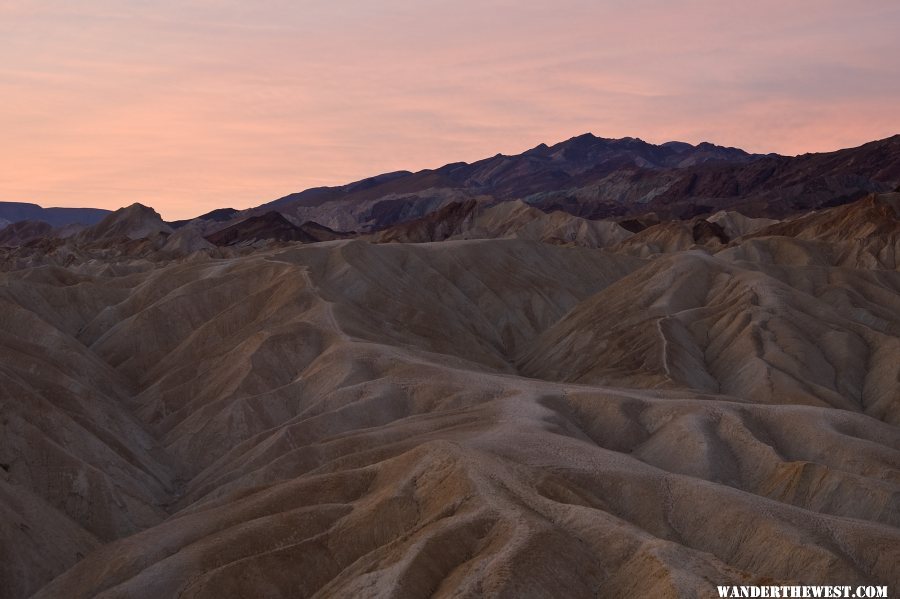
[(482, 397)]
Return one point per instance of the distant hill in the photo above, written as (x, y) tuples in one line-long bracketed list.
[(217, 215), (20, 211)]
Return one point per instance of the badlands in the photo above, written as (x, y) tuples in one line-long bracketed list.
[(531, 405)]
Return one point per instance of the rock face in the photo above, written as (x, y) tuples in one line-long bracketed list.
[(22, 232), (451, 220), (506, 220), (134, 222), (735, 224), (270, 226), (686, 407), (187, 239)]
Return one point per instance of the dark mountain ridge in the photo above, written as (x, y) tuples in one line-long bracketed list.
[(542, 167), (595, 177), (217, 215), (272, 226)]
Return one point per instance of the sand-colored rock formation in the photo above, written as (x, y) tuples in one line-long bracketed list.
[(735, 224), (507, 220), (134, 222), (506, 417)]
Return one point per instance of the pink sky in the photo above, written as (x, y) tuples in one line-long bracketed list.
[(191, 105)]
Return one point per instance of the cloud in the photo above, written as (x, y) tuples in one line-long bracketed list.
[(196, 104)]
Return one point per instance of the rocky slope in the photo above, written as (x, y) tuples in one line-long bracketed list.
[(271, 226), (507, 220), (20, 233), (134, 222)]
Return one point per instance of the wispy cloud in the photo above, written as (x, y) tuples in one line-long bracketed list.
[(195, 104)]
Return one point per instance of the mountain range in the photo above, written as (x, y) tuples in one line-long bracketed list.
[(587, 176), (595, 178), (13, 212)]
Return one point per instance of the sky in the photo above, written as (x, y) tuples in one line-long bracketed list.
[(191, 105)]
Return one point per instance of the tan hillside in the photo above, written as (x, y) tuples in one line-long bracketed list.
[(521, 415)]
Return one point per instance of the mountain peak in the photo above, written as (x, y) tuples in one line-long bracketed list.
[(136, 221)]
